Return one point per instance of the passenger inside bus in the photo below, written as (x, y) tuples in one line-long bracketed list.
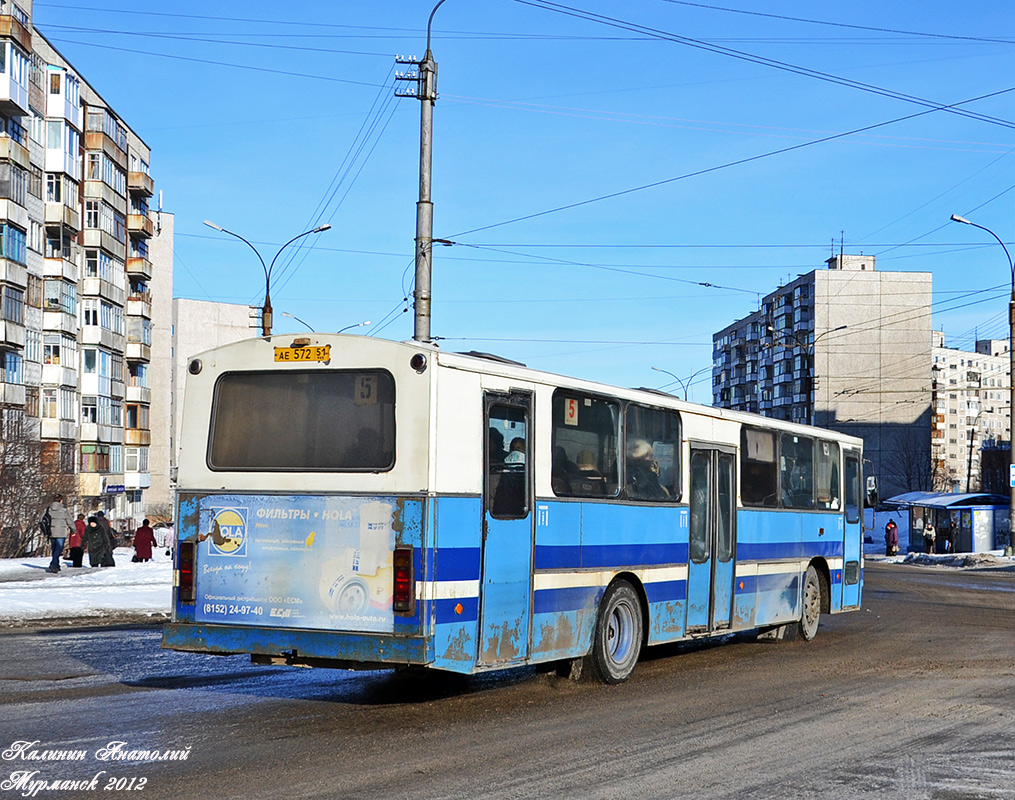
[(588, 479), (643, 472), (497, 451)]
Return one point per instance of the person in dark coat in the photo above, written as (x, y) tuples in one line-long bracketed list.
[(100, 517), (891, 538), (144, 541), (98, 543)]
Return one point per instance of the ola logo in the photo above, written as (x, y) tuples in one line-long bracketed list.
[(229, 532)]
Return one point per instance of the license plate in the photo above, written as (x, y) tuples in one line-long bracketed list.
[(322, 353)]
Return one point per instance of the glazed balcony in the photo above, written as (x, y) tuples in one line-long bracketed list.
[(60, 214), (139, 305), (136, 436), (12, 150), (14, 24)]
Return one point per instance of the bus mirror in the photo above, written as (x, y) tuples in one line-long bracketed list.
[(872, 491)]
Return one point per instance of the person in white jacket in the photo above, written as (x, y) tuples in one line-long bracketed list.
[(60, 527)]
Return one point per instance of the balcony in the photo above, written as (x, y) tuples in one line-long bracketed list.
[(101, 434), (60, 214), (13, 151), (95, 334), (98, 140), (141, 183), (58, 321), (13, 273), (13, 95), (59, 429), (12, 394), (98, 238), (59, 375), (16, 26), (96, 287), (139, 305), (137, 480), (140, 225), (98, 190), (136, 436), (140, 267), (117, 389), (13, 212), (12, 334), (138, 352), (58, 160), (139, 394), (60, 268)]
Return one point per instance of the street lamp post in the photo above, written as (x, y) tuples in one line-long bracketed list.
[(266, 312), (809, 366), (685, 383), (1011, 376)]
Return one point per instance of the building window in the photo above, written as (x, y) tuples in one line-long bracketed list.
[(13, 244), (14, 305), (94, 458), (12, 367), (89, 410), (32, 401), (136, 459), (49, 403)]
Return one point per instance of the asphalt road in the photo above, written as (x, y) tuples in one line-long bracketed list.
[(912, 697)]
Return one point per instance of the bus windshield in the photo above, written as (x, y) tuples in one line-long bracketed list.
[(341, 421)]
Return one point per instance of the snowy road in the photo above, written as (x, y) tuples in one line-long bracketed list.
[(910, 698)]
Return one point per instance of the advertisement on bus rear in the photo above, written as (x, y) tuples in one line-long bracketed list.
[(318, 562)]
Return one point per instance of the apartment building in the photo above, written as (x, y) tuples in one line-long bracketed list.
[(76, 229), (844, 348), (970, 397)]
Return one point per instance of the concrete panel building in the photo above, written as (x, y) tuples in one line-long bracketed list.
[(846, 348)]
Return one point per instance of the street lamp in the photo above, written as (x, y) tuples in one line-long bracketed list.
[(357, 325), (302, 322), (1011, 373), (809, 374), (266, 315), (685, 383)]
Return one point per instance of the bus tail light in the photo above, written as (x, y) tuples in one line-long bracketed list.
[(185, 590), (404, 588)]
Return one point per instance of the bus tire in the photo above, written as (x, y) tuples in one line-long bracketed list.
[(810, 612), (618, 635)]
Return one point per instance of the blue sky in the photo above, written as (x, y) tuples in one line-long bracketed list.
[(269, 120)]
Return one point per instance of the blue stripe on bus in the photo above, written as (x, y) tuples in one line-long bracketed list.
[(557, 557), (666, 591), (571, 598), (457, 564), (770, 551), (619, 556)]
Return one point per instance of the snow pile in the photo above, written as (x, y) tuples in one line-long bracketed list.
[(994, 559), (127, 591)]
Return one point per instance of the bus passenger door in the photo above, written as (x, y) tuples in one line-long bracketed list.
[(853, 530), (710, 563), (506, 581)]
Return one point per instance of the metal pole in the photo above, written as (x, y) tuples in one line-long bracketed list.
[(424, 207), (1011, 380)]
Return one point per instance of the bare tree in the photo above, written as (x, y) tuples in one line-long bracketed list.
[(909, 465), (21, 484)]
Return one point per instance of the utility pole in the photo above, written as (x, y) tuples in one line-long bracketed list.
[(425, 90)]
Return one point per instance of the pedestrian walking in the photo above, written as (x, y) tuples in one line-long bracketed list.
[(60, 527), (891, 538), (144, 541)]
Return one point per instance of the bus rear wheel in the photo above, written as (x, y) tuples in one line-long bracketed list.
[(811, 611), (617, 642)]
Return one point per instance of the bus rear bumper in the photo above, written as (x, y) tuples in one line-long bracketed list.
[(298, 647)]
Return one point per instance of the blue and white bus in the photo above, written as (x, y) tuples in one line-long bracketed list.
[(358, 503)]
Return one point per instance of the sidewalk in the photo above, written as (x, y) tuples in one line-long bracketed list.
[(126, 592)]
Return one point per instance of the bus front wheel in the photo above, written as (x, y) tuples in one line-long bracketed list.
[(617, 642), (811, 611)]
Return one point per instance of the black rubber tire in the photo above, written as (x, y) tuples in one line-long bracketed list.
[(811, 602), (618, 635)]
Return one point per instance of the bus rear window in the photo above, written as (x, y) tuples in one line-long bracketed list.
[(342, 421)]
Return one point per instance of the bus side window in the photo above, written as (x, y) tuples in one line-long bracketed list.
[(758, 476), (584, 441)]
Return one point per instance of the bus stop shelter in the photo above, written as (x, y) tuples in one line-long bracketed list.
[(966, 523)]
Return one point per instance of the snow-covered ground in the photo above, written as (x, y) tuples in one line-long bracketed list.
[(28, 594), (127, 591)]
